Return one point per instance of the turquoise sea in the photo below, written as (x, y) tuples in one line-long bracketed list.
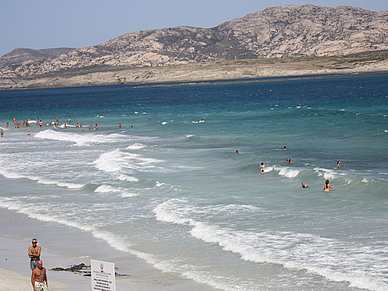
[(167, 195)]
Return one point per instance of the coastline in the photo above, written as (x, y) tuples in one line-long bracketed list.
[(64, 247), (15, 273), (198, 213), (244, 70)]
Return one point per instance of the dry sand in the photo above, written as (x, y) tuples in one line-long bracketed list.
[(15, 273)]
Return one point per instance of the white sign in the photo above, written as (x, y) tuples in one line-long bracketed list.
[(103, 276)]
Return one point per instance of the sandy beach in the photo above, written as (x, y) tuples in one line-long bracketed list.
[(15, 273)]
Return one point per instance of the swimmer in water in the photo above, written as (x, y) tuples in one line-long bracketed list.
[(262, 166), (237, 152), (327, 186), (338, 164), (304, 185)]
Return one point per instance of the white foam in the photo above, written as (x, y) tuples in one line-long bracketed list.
[(127, 178), (136, 146), (160, 184), (115, 190), (109, 162), (187, 271), (287, 172), (165, 212), (37, 211), (11, 175), (326, 173), (295, 251), (119, 243), (118, 160), (82, 139), (128, 195), (107, 189), (336, 260), (177, 211), (60, 183), (34, 211), (66, 125)]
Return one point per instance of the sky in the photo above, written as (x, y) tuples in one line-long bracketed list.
[(43, 24)]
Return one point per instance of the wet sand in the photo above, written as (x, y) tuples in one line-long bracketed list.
[(15, 273)]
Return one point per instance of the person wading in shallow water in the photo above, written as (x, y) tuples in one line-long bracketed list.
[(262, 167), (304, 185), (327, 186), (39, 278), (34, 253)]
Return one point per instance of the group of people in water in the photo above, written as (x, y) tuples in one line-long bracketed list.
[(326, 186), (53, 124)]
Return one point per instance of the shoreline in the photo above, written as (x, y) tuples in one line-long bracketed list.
[(139, 275), (15, 270), (64, 246), (199, 73), (15, 273)]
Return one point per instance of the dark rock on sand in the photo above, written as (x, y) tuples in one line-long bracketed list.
[(81, 269)]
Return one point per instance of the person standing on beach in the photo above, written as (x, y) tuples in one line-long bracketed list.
[(34, 253), (39, 278)]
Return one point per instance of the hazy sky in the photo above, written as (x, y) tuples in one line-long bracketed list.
[(78, 23)]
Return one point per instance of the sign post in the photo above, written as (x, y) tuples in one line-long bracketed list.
[(103, 276)]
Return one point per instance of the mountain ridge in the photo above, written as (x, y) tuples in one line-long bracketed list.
[(290, 31), (21, 55)]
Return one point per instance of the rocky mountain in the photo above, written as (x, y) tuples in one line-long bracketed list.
[(20, 55), (276, 32)]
